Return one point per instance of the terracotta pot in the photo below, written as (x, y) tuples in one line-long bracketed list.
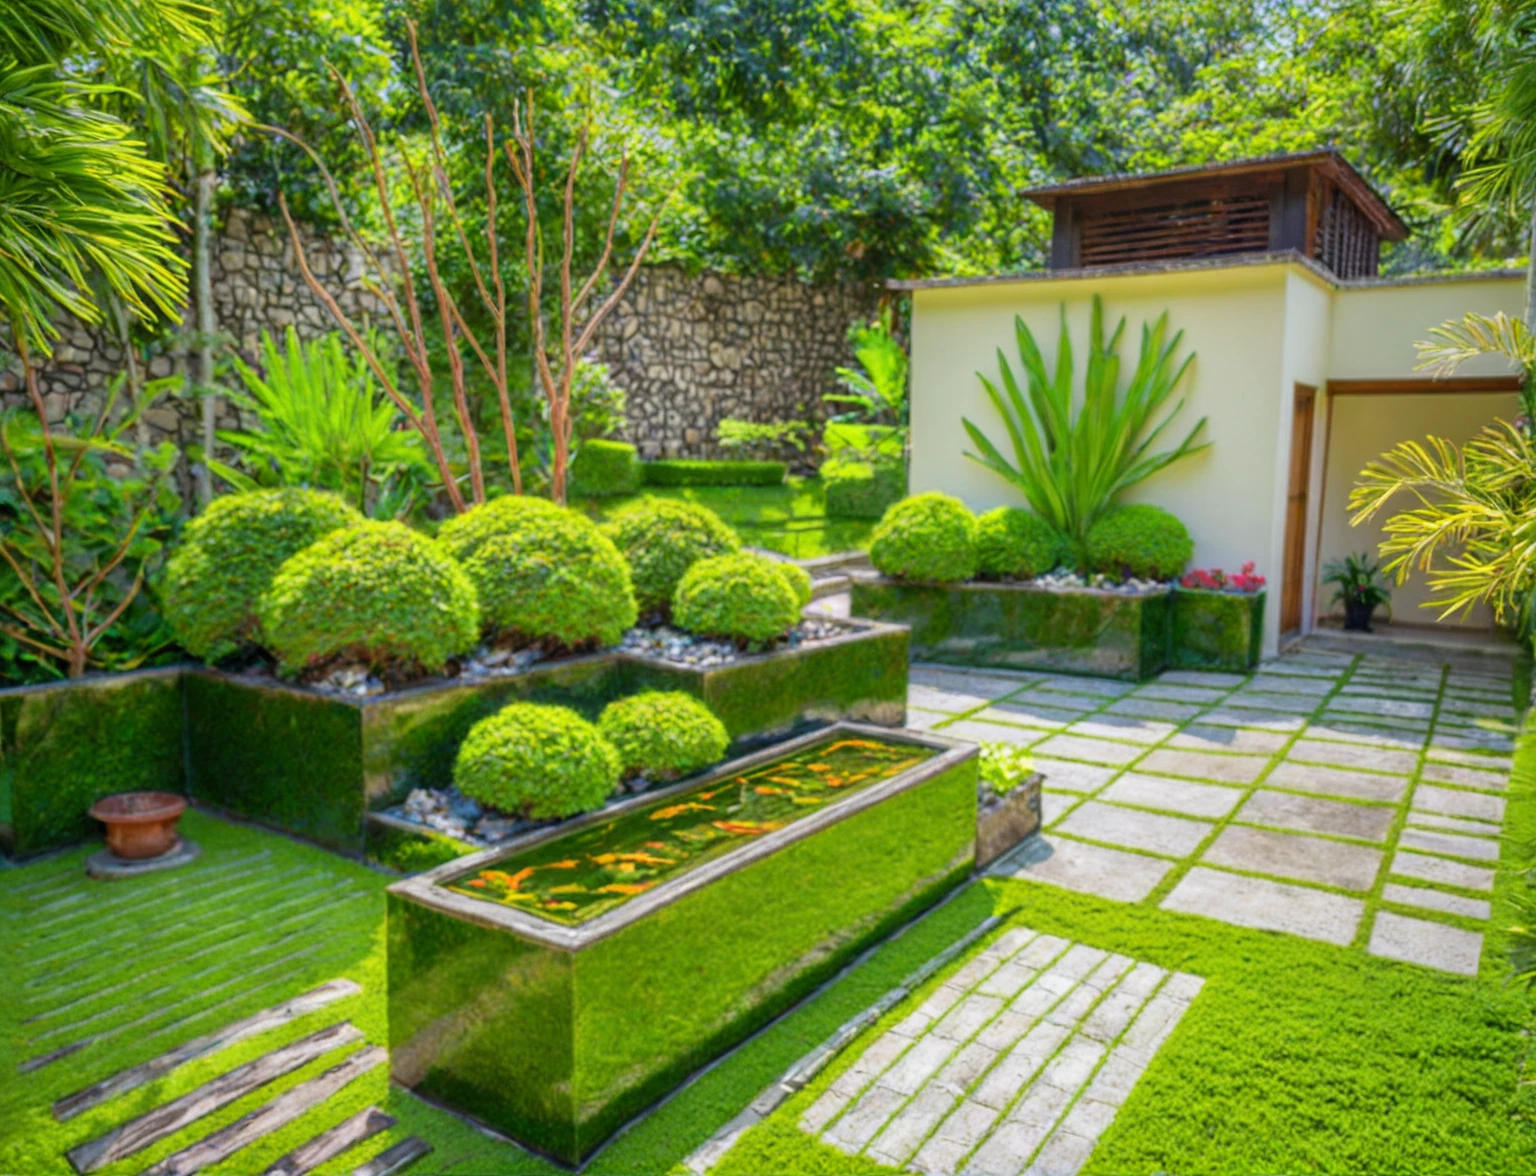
[(140, 824)]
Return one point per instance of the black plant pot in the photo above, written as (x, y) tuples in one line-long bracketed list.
[(1357, 615)]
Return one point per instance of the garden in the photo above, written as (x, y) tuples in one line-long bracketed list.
[(455, 718)]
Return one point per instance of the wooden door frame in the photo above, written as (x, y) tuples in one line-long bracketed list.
[(1300, 393)]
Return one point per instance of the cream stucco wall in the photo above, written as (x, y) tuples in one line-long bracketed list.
[(1375, 327)]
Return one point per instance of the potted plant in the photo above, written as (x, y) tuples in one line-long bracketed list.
[(140, 825), (1358, 578), (1007, 800)]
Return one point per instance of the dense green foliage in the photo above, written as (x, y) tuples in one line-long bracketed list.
[(799, 581), (685, 472), (554, 576), (1141, 541), (1004, 766), (662, 735), (928, 537), (602, 469), (1013, 544), (743, 596), (377, 592), (662, 539), (226, 559), (464, 534), (536, 761), (859, 489), (1215, 630)]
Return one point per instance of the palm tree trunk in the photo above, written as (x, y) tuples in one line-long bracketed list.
[(202, 294)]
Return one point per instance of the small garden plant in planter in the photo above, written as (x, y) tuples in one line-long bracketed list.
[(1007, 800), (1139, 542), (662, 539), (1013, 544), (929, 538), (1358, 581), (1217, 620), (537, 762), (743, 597)]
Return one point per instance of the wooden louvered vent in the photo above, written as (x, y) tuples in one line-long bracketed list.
[(1345, 240), (1205, 228)]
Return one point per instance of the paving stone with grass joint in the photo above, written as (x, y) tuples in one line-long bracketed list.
[(1267, 906), (1094, 751), (1071, 776), (1427, 899), (1258, 720), (1198, 765), (1345, 782), (1353, 755), (1296, 856), (1122, 727), (1454, 802), (1426, 943), (1088, 869), (1408, 864), (1401, 736), (1186, 797), (1170, 836), (1199, 737), (979, 732), (1447, 844), (1151, 708), (1317, 814)]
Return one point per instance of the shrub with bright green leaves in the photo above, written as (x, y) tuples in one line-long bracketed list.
[(378, 592), (799, 581), (662, 539), (1141, 541), (463, 534), (662, 735), (742, 596), (1004, 766), (602, 469), (862, 489), (1013, 544), (553, 576), (536, 761), (217, 575), (928, 537)]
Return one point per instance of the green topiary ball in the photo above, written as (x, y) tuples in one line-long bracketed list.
[(742, 596), (662, 539), (663, 735), (1141, 541), (463, 534), (379, 592), (553, 575), (536, 761), (224, 563), (799, 581), (928, 537), (1014, 544)]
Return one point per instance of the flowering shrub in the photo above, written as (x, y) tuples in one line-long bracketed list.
[(1216, 580)]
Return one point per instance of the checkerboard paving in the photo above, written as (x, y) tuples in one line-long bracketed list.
[(1356, 800)]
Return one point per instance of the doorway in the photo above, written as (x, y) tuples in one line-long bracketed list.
[(1293, 577)]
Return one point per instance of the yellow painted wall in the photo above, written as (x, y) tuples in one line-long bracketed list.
[(1375, 327)]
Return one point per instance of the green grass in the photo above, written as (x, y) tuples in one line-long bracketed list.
[(790, 519)]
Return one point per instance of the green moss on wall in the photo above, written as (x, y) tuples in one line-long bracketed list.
[(64, 746), (1215, 630)]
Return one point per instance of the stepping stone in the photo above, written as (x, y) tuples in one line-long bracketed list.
[(1199, 765), (1095, 751), (978, 732), (1436, 900), (1290, 684), (1093, 869), (1268, 700), (1028, 713), (1402, 736), (1430, 945), (1443, 740), (1105, 726), (1070, 776), (1452, 802), (1257, 719), (1177, 796), (1198, 737), (395, 1159), (925, 720), (330, 1144), (1386, 707), (1148, 708), (1099, 687), (1454, 824), (1450, 844), (1314, 814), (1215, 680), (1295, 855), (1488, 761), (1336, 782), (1267, 906), (1353, 755), (1408, 864), (1173, 692), (975, 682), (1169, 836), (949, 701)]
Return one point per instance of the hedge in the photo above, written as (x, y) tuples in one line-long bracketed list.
[(861, 489), (712, 473), (605, 469)]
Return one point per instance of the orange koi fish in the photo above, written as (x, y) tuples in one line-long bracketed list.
[(626, 888), (675, 810), (747, 828)]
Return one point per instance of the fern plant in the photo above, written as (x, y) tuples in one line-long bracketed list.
[(876, 390), (1073, 457)]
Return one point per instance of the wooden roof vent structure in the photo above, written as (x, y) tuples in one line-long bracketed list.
[(1313, 203)]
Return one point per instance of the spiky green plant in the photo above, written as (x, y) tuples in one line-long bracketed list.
[(1073, 457)]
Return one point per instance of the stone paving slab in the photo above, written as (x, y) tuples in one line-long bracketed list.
[(1374, 704), (925, 720), (1449, 844), (1123, 727), (1465, 777), (1095, 751), (1436, 900), (1260, 720), (1423, 820), (1295, 856), (1353, 755), (1429, 944), (1291, 684), (1453, 802), (1442, 740), (1316, 814), (1407, 864), (1151, 708), (1267, 906), (1199, 737), (1269, 700), (1171, 836), (978, 682), (951, 701), (1489, 761), (1163, 691), (1213, 679), (1399, 735), (1346, 782), (1091, 869), (979, 732), (1176, 796), (1200, 765), (1032, 713), (1071, 776)]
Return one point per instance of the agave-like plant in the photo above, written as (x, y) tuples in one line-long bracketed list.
[(1073, 458)]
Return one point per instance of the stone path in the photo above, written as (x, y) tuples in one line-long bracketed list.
[(1354, 800), (1015, 1064)]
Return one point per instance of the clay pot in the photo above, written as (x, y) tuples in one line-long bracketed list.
[(140, 824)]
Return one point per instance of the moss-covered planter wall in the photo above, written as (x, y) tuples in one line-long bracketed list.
[(1215, 630), (1019, 626), (558, 1037), (65, 745)]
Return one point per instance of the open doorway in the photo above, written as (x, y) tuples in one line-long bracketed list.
[(1293, 572)]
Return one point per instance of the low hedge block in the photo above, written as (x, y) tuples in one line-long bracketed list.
[(862, 489), (1019, 626), (712, 473), (604, 469), (1215, 630), (65, 745)]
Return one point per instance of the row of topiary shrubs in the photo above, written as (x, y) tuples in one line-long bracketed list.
[(303, 576), (540, 762), (935, 538)]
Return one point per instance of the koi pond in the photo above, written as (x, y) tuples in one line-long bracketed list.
[(556, 987)]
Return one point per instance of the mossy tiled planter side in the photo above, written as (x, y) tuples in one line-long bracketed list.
[(559, 1035), (1019, 626), (1215, 630), (65, 745)]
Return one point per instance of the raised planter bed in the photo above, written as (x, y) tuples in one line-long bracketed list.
[(1093, 631), (1215, 630), (1002, 822), (557, 986), (65, 745)]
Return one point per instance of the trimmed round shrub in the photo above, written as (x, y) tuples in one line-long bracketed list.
[(1013, 544), (1141, 541), (662, 539), (379, 592), (222, 567), (463, 534), (553, 575), (928, 537), (536, 761), (662, 735), (799, 581), (742, 596)]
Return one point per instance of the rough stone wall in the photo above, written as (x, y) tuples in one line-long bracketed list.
[(693, 350)]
